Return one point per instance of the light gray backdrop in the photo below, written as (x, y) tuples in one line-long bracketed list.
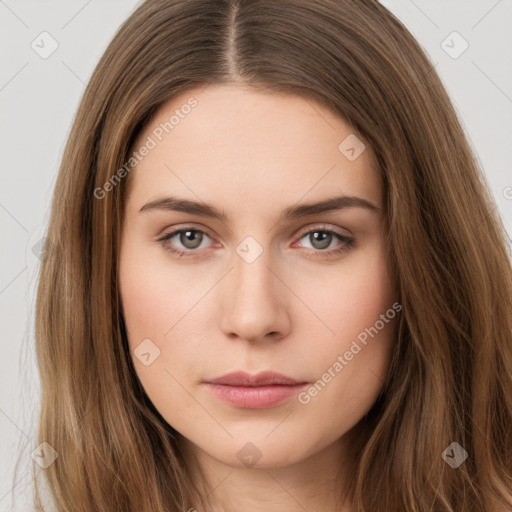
[(48, 52)]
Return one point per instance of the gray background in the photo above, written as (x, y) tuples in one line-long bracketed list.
[(39, 97)]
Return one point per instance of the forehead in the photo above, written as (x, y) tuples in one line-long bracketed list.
[(230, 144)]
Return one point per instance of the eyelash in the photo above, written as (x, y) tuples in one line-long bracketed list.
[(346, 242)]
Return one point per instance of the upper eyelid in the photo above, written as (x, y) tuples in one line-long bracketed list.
[(177, 230)]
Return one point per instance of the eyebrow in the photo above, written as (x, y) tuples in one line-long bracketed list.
[(291, 213)]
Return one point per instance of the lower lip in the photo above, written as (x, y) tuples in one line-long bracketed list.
[(257, 397)]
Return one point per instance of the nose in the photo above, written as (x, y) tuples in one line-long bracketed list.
[(254, 302)]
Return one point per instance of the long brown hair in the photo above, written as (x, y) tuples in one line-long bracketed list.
[(450, 378)]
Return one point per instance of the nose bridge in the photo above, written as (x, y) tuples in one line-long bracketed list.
[(255, 305), (252, 276)]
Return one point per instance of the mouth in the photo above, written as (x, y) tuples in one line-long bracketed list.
[(260, 391)]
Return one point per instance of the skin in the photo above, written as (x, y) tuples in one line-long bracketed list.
[(252, 155)]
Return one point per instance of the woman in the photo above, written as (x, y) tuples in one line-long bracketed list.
[(277, 280)]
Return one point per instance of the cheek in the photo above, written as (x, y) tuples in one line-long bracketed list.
[(348, 298), (351, 364), (146, 308), (155, 303), (154, 296), (164, 304)]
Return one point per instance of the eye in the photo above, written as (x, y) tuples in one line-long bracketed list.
[(321, 239), (186, 240)]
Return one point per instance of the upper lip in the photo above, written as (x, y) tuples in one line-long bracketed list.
[(266, 378)]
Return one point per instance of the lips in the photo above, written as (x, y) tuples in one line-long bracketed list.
[(267, 378), (261, 391)]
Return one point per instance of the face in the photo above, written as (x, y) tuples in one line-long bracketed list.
[(226, 266)]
